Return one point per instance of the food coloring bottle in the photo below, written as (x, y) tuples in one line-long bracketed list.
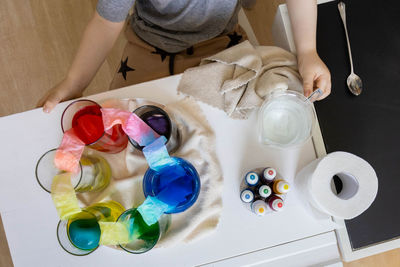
[(264, 191), (247, 195), (252, 178), (280, 187), (269, 175), (275, 203), (259, 207)]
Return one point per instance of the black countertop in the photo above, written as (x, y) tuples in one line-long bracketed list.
[(367, 125)]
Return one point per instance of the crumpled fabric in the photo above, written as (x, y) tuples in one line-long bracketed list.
[(64, 197), (69, 153), (239, 78)]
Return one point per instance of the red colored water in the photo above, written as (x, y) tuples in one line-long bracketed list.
[(88, 124)]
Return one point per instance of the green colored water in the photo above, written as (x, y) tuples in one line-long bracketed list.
[(138, 228)]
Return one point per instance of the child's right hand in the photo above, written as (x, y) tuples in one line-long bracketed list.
[(65, 90)]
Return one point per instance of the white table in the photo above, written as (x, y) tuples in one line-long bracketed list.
[(290, 238)]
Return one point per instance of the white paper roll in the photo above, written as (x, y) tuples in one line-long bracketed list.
[(360, 184)]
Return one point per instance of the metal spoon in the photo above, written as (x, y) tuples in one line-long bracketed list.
[(354, 82)]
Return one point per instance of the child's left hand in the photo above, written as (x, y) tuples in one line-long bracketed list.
[(315, 74)]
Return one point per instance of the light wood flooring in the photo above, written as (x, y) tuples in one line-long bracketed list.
[(38, 39)]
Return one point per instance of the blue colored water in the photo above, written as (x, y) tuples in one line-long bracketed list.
[(85, 233), (179, 189)]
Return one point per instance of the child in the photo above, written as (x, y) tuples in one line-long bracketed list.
[(168, 36)]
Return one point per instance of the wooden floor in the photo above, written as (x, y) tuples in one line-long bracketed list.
[(38, 39)]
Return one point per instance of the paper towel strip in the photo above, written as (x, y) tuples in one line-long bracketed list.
[(159, 160), (116, 233), (64, 197), (157, 155), (155, 206), (69, 153), (132, 125), (152, 209), (66, 203)]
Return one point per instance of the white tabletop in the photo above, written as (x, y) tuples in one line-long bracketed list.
[(30, 218)]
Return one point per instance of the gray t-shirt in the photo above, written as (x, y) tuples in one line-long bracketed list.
[(174, 25)]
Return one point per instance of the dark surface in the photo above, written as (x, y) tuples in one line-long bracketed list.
[(367, 125)]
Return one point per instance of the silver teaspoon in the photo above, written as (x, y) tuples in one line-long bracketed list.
[(354, 82)]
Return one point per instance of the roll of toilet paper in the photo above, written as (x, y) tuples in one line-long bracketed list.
[(360, 184)]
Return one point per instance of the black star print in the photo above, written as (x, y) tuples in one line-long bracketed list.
[(161, 52), (235, 38), (125, 68)]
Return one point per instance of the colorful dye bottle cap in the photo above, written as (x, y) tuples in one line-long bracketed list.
[(276, 204), (252, 178), (247, 196), (259, 207), (282, 187), (264, 191), (269, 174)]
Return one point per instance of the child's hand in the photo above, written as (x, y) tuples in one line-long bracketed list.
[(65, 90), (315, 74)]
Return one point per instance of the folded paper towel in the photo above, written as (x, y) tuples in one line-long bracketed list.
[(198, 147), (237, 79)]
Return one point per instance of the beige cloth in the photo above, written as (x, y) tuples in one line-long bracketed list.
[(237, 79), (198, 147)]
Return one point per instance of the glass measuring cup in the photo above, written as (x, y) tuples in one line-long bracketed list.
[(285, 119)]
